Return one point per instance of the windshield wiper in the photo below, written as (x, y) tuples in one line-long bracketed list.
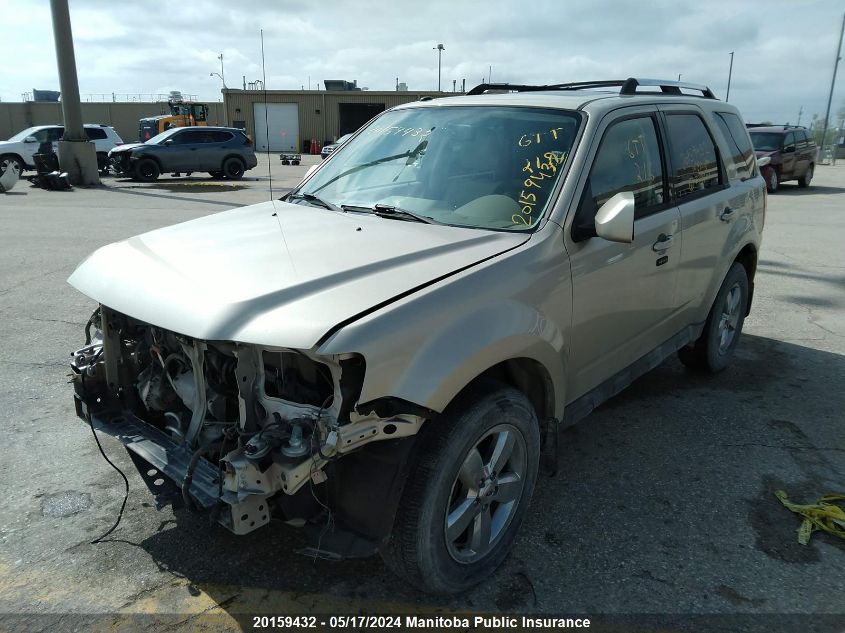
[(391, 211), (315, 200), (411, 154)]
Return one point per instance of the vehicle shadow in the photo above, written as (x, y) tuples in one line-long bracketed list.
[(663, 501), (792, 189)]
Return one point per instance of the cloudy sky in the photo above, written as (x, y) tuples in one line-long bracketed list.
[(784, 50)]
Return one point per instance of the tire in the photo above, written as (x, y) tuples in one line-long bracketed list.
[(772, 181), (460, 447), (804, 181), (233, 168), (10, 160), (102, 162), (146, 170), (714, 349), (217, 175)]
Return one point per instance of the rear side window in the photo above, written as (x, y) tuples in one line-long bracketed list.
[(695, 167), (628, 160), (741, 153), (95, 133), (218, 136)]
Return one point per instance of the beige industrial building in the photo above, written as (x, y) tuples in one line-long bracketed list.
[(123, 117), (295, 117)]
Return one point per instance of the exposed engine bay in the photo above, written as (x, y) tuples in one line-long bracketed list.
[(240, 431)]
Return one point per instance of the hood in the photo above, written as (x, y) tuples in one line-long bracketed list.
[(125, 147), (276, 274)]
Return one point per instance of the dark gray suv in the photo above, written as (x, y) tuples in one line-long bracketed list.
[(221, 151)]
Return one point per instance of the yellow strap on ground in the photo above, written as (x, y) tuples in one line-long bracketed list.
[(823, 515)]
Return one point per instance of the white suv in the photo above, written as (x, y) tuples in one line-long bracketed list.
[(20, 149)]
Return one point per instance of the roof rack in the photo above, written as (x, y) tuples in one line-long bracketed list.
[(626, 87)]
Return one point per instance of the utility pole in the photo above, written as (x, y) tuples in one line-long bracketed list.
[(730, 72), (439, 48), (832, 84), (244, 83), (489, 74), (77, 155), (800, 112)]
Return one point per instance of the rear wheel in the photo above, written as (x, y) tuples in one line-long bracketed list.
[(468, 491), (804, 181), (233, 168), (714, 349), (146, 170)]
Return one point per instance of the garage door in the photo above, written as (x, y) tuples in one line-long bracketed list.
[(281, 130)]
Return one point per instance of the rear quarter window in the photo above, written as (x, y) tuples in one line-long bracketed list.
[(220, 136), (741, 156), (95, 133)]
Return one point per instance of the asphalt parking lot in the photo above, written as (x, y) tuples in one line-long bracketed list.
[(663, 504)]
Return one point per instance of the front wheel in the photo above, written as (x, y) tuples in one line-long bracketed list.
[(714, 349), (468, 491), (772, 181), (804, 181), (10, 162), (233, 168), (146, 170)]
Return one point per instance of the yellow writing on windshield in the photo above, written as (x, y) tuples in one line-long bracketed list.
[(537, 171)]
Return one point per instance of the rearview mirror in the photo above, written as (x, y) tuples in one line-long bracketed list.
[(30, 139), (615, 218)]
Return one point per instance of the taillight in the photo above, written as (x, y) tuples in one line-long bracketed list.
[(248, 142)]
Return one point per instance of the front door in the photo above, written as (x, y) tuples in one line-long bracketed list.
[(788, 157), (624, 295)]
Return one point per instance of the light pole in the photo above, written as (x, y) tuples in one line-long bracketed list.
[(222, 74), (730, 72), (832, 84), (439, 48)]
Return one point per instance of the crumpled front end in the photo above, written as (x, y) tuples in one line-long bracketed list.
[(244, 432)]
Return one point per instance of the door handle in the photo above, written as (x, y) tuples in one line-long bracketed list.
[(663, 242), (727, 215)]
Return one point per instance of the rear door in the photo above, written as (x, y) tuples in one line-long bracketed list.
[(624, 295), (711, 209), (219, 142), (802, 153)]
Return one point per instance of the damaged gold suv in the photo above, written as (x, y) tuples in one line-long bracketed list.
[(382, 355)]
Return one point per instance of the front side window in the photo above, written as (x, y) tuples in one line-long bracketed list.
[(628, 160), (741, 152), (789, 143), (478, 166), (695, 166)]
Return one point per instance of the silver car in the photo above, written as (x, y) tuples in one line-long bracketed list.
[(384, 355)]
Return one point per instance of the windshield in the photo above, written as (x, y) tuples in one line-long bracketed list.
[(766, 141), (22, 135), (487, 167), (158, 138)]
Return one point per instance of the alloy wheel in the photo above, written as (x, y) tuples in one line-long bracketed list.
[(485, 493), (729, 319)]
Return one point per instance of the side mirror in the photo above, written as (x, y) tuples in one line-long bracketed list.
[(30, 139), (168, 142), (615, 218), (763, 161), (788, 149)]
